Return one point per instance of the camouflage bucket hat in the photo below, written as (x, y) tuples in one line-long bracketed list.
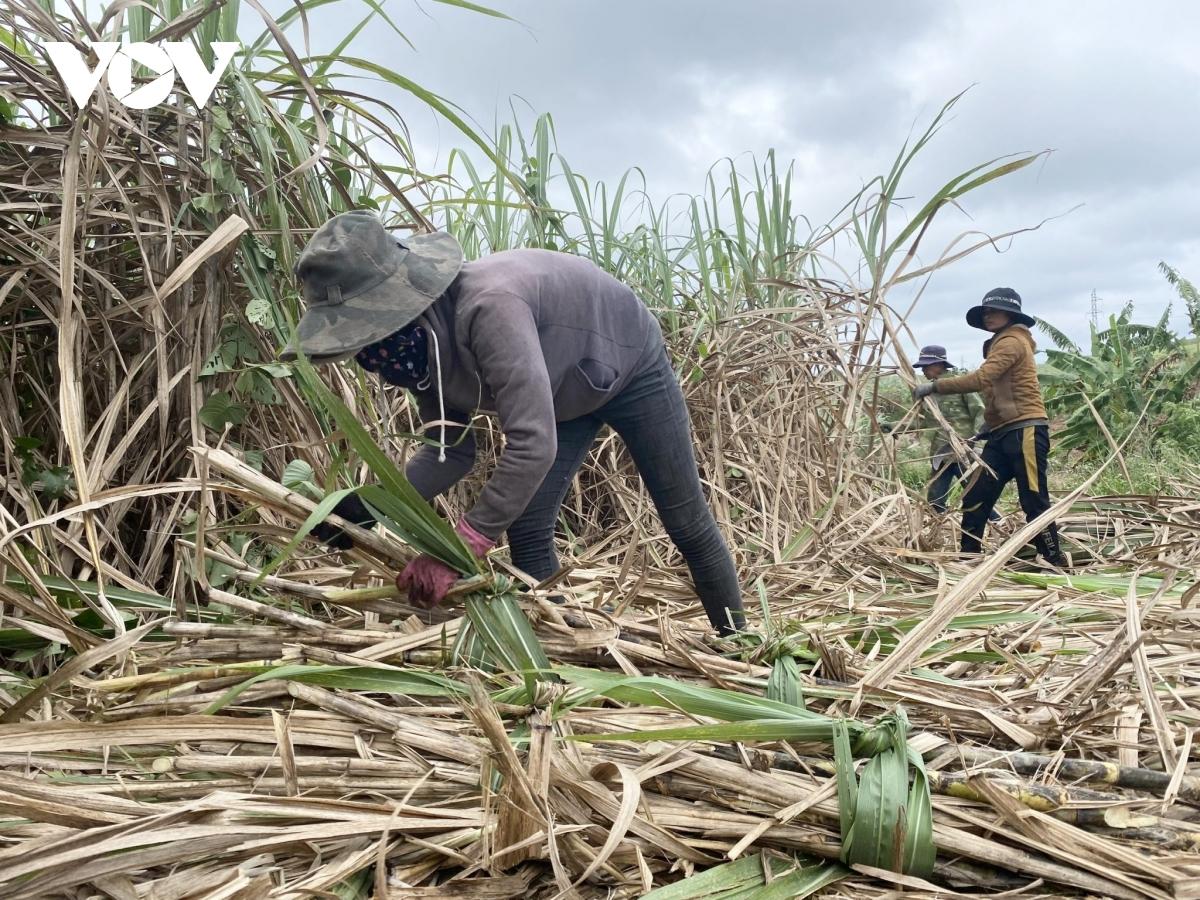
[(360, 283)]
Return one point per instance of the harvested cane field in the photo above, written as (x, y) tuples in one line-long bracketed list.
[(200, 701)]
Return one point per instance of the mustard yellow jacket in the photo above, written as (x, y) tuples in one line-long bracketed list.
[(1007, 379)]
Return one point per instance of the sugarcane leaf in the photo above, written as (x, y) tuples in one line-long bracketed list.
[(442, 106), (404, 508), (406, 682), (802, 882), (469, 650), (486, 10), (847, 785), (783, 686), (504, 630), (744, 730), (415, 529), (870, 816), (696, 700), (315, 518), (893, 827), (744, 879), (919, 849), (879, 835), (714, 882), (68, 587)]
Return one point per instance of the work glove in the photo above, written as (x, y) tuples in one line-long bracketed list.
[(922, 390), (351, 509), (427, 580)]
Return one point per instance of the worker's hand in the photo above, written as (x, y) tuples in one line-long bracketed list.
[(428, 580), (922, 390), (351, 509)]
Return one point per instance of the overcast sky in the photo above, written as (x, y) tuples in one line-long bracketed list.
[(672, 86)]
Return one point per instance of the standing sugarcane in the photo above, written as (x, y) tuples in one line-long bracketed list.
[(547, 341)]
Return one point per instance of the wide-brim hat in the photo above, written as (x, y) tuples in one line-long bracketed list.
[(361, 283), (1004, 299), (931, 356)]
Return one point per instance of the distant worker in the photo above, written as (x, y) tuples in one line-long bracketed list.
[(964, 412), (1018, 431), (552, 345)]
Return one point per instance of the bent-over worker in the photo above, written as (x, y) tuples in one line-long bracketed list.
[(553, 346)]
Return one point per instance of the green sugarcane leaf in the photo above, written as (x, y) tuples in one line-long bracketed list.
[(470, 651), (508, 611), (717, 881), (893, 833), (504, 630), (474, 7), (847, 785), (1112, 585), (744, 879), (414, 528), (446, 109), (870, 816), (919, 849), (406, 682), (68, 587), (744, 730), (315, 518), (784, 684), (696, 700), (879, 834), (802, 882), (405, 510)]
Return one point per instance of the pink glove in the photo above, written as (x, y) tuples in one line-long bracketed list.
[(427, 579)]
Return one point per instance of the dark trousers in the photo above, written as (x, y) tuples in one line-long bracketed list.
[(651, 418), (939, 488), (1019, 454)]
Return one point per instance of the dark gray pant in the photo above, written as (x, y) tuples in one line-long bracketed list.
[(651, 418)]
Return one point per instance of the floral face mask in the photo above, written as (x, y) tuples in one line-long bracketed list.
[(401, 358)]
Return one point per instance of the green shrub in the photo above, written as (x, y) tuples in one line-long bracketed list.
[(1180, 429)]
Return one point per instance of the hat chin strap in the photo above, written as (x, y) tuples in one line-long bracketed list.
[(437, 362)]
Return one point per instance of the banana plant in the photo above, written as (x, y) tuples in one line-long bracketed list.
[(1130, 368)]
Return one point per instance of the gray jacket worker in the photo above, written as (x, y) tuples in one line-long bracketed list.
[(553, 346)]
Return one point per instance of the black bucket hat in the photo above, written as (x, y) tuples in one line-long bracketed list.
[(361, 283), (1004, 299), (931, 356)]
